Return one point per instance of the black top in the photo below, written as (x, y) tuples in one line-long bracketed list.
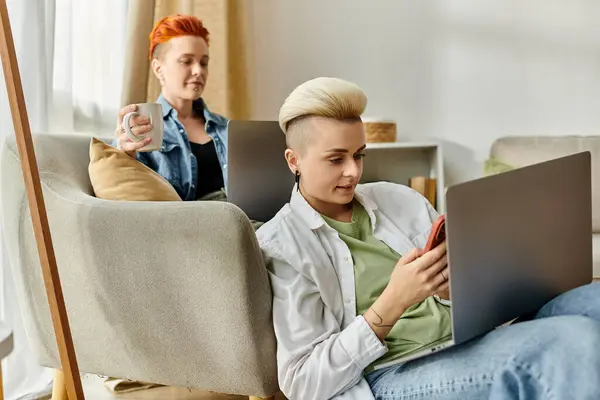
[(210, 177)]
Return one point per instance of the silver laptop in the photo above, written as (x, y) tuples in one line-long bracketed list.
[(515, 241), (258, 178)]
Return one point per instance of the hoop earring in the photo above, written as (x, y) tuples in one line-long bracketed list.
[(297, 179)]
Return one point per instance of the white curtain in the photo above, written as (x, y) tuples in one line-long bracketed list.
[(71, 55)]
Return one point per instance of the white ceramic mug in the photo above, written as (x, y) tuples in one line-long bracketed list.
[(154, 112)]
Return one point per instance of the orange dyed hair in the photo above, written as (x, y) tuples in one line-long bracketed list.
[(174, 26)]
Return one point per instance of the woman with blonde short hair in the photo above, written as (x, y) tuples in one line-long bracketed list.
[(352, 288)]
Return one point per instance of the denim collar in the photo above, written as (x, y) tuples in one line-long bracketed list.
[(199, 105)]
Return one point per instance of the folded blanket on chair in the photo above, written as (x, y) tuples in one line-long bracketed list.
[(118, 385)]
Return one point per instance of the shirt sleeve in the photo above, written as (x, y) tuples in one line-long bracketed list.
[(316, 358)]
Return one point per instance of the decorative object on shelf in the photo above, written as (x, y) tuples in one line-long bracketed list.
[(425, 186), (379, 130)]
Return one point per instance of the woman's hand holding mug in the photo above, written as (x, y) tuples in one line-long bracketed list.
[(135, 128)]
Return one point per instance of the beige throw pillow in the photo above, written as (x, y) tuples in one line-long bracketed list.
[(117, 176)]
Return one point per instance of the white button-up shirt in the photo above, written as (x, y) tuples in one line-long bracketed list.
[(323, 347)]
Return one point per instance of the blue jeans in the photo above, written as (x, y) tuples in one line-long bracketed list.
[(556, 355)]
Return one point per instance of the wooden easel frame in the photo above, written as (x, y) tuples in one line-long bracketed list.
[(38, 209)]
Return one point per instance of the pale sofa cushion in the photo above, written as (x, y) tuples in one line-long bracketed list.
[(596, 253), (493, 166), (520, 151), (116, 176)]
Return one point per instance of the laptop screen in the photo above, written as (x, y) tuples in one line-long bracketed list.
[(259, 180)]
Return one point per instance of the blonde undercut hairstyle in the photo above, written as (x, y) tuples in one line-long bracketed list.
[(320, 97)]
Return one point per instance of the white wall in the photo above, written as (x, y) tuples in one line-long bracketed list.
[(464, 72)]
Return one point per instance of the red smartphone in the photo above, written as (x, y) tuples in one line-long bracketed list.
[(437, 235)]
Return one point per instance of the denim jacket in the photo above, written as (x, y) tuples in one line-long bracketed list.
[(175, 160)]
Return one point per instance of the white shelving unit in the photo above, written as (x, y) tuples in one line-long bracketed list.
[(397, 162)]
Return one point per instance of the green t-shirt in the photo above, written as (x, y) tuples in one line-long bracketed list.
[(424, 324)]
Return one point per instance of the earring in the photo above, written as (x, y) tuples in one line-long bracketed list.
[(297, 179)]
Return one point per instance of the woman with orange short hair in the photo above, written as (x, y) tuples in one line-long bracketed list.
[(193, 156)]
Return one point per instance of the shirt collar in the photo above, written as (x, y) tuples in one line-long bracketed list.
[(314, 220), (199, 105)]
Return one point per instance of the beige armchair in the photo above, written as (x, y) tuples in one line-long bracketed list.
[(172, 292)]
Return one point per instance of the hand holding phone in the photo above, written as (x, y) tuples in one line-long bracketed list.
[(437, 235)]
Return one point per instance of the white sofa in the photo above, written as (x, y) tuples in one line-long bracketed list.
[(518, 151)]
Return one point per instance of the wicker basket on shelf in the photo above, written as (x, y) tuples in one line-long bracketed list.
[(380, 131)]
